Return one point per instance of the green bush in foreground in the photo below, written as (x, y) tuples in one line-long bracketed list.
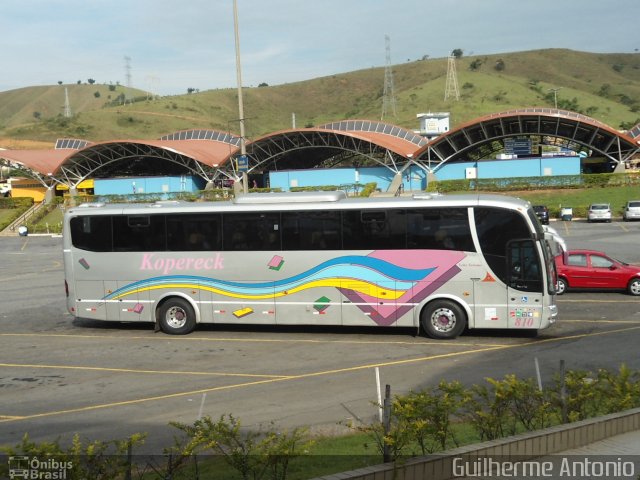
[(426, 421)]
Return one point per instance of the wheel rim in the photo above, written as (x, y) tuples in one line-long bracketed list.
[(176, 317), (561, 287), (634, 287), (443, 320)]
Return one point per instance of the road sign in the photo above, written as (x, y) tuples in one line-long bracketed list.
[(243, 163)]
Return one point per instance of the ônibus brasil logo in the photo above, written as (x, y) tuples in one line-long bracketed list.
[(34, 468)]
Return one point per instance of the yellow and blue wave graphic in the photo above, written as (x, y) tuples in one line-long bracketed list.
[(366, 275)]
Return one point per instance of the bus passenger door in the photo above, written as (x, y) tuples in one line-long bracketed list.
[(525, 297)]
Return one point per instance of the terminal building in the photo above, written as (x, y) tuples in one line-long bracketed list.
[(532, 142)]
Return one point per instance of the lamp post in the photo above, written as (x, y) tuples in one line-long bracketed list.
[(555, 95), (243, 148)]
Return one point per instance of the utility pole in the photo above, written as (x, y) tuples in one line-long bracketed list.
[(555, 95), (243, 147)]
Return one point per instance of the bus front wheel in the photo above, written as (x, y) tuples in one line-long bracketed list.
[(443, 319), (176, 316)]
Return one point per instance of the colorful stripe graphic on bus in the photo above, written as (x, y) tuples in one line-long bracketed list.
[(384, 284)]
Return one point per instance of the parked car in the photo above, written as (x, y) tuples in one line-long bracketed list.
[(543, 213), (599, 212), (631, 210), (594, 269)]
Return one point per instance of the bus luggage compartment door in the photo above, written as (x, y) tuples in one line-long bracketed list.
[(491, 303)]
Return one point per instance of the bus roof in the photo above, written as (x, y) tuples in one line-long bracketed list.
[(301, 201)]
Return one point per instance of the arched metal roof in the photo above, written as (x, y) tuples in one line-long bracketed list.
[(379, 131), (485, 134), (132, 157), (200, 152), (333, 143), (207, 153)]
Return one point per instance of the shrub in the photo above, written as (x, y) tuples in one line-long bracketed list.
[(251, 453)]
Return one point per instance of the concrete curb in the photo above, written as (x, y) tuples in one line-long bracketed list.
[(524, 446)]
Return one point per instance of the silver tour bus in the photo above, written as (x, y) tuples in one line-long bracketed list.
[(434, 262)]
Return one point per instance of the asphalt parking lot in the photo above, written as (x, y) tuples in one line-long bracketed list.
[(109, 380)]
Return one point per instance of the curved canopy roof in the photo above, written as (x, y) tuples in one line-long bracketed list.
[(333, 143), (576, 131), (207, 153)]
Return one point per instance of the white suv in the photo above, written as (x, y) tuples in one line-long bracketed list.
[(631, 210), (599, 212)]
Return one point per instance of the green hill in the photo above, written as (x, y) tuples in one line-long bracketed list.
[(603, 86)]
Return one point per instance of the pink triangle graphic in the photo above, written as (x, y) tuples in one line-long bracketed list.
[(386, 312)]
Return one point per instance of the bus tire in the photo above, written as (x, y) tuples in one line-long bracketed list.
[(176, 316), (443, 319)]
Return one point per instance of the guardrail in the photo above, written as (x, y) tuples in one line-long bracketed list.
[(22, 219)]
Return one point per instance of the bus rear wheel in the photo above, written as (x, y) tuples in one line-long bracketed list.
[(176, 316), (443, 319)]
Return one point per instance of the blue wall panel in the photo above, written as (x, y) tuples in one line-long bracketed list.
[(130, 185), (412, 179), (529, 167)]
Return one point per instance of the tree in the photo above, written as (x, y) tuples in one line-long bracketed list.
[(91, 81), (475, 65), (605, 90), (96, 94), (263, 84), (499, 66), (59, 82), (457, 52), (37, 115)]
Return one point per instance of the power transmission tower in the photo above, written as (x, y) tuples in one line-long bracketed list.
[(67, 106), (127, 73), (451, 89), (388, 94)]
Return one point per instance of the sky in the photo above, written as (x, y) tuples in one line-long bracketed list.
[(176, 45)]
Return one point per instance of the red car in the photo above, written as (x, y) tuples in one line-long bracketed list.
[(593, 269)]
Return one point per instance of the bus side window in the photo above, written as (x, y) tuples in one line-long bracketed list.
[(197, 232), (92, 233), (139, 233), (439, 229), (313, 230), (251, 231), (374, 229)]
